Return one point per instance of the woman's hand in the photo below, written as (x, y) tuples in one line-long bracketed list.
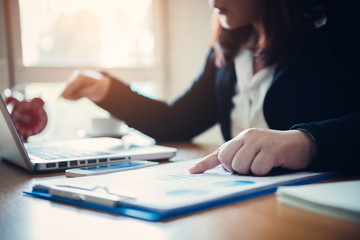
[(257, 151), (90, 84)]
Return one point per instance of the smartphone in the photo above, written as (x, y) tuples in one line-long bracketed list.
[(108, 168)]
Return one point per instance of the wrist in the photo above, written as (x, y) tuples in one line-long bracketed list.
[(311, 145)]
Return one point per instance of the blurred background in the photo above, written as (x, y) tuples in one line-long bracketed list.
[(157, 46)]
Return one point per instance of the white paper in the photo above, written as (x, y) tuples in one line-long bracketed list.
[(171, 186)]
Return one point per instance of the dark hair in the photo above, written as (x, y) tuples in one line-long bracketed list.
[(283, 20)]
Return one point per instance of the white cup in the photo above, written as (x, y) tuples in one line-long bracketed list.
[(107, 127)]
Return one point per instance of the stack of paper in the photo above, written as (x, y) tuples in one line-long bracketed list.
[(338, 199)]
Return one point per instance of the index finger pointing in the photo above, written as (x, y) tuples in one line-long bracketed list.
[(207, 163)]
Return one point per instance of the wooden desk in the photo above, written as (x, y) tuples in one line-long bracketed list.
[(24, 217)]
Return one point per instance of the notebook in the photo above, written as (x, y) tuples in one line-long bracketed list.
[(60, 155), (164, 191), (336, 199)]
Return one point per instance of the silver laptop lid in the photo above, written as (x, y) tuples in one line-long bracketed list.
[(11, 146), (13, 150)]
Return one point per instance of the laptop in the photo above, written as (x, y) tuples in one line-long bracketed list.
[(65, 154)]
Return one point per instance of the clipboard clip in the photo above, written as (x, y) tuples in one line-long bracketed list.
[(98, 195)]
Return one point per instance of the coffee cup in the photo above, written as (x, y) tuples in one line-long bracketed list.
[(107, 127)]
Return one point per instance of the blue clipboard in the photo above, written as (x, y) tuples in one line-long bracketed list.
[(152, 214)]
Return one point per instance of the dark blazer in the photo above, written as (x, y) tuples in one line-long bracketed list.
[(316, 90)]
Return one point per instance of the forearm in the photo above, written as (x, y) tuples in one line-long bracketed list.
[(180, 120), (187, 116), (337, 143), (138, 111)]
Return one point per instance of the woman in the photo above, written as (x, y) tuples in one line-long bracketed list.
[(280, 79)]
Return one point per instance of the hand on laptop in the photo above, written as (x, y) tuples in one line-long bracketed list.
[(257, 151), (91, 84)]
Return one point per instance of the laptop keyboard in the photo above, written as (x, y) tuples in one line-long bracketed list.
[(59, 153)]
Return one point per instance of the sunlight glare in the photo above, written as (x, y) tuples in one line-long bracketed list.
[(107, 33)]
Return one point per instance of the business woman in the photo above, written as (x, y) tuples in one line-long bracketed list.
[(281, 79)]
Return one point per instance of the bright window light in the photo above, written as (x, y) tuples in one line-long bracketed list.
[(87, 33)]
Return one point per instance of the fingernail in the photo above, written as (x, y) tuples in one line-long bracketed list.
[(192, 169)]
